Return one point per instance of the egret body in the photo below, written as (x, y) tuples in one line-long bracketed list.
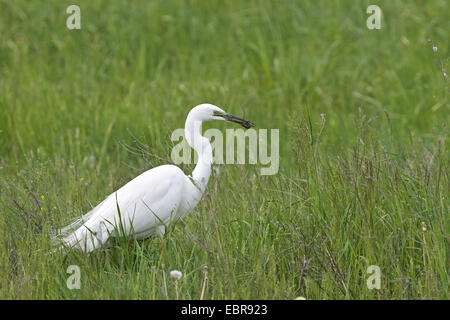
[(148, 203)]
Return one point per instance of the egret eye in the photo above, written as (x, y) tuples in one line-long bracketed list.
[(218, 113)]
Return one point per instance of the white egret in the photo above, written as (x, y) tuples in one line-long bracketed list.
[(145, 205)]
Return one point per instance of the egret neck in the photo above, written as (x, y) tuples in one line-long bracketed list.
[(202, 146)]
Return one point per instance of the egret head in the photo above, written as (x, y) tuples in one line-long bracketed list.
[(208, 112)]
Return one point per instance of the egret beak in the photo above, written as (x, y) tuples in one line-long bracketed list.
[(229, 117), (245, 123)]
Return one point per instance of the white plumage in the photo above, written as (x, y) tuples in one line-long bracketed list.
[(148, 203)]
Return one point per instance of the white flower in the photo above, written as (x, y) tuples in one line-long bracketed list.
[(434, 48), (176, 274), (424, 227)]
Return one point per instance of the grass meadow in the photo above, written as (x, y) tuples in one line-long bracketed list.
[(363, 124)]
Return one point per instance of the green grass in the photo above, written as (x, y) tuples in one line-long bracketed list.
[(82, 112)]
